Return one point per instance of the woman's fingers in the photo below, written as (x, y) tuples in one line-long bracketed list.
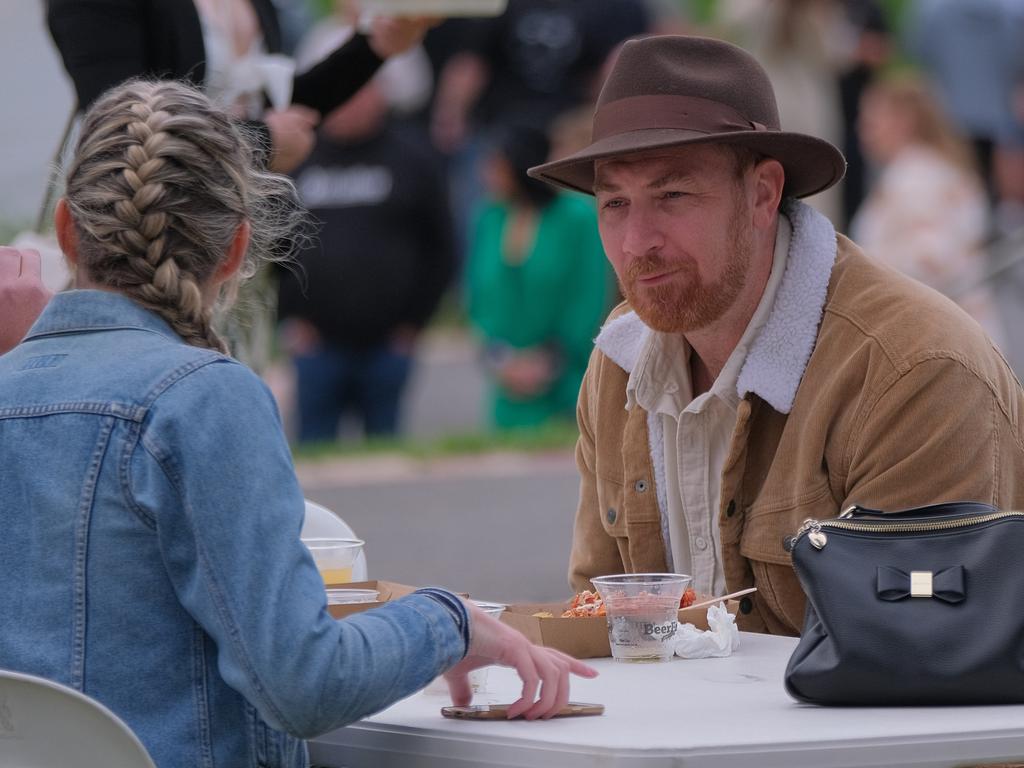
[(527, 670)]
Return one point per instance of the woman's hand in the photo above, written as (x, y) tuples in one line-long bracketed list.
[(492, 642), (22, 293)]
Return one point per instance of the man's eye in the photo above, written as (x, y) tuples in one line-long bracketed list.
[(672, 194), (614, 203)]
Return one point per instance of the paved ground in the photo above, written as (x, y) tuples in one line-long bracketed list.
[(495, 526)]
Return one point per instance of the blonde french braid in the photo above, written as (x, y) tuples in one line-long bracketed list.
[(159, 184)]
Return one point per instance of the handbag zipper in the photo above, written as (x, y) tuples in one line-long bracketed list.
[(818, 538)]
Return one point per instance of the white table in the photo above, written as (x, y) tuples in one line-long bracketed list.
[(710, 713)]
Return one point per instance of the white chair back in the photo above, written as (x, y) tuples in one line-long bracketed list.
[(44, 724), (322, 523)]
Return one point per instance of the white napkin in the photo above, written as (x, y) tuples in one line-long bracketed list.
[(721, 639), (257, 72)]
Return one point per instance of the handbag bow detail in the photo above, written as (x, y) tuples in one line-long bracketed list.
[(946, 585)]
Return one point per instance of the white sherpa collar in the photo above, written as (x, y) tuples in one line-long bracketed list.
[(778, 356)]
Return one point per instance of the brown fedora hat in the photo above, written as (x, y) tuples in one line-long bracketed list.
[(672, 91)]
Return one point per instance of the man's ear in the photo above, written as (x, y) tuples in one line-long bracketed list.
[(67, 234), (769, 179)]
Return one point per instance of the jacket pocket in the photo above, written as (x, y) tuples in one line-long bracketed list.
[(766, 529)]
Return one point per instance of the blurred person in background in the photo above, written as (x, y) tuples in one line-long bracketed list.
[(532, 63), (870, 46), (926, 213), (972, 51), (364, 288), (537, 285), (151, 552), (799, 43), (230, 48)]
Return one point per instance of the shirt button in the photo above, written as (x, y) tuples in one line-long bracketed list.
[(611, 515), (731, 509), (640, 486), (701, 543), (746, 605)]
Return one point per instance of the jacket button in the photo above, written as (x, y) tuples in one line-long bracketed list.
[(731, 509), (612, 514), (746, 605), (640, 485)]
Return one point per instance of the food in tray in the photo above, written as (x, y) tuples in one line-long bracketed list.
[(543, 615), (584, 605), (688, 599)]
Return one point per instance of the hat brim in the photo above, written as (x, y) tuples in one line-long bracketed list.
[(811, 164)]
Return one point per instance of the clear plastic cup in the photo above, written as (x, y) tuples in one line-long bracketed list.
[(643, 614), (478, 677), (348, 596), (334, 558)]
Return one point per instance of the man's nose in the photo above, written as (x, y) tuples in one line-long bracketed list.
[(642, 233)]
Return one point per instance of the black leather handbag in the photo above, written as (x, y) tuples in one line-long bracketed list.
[(924, 606)]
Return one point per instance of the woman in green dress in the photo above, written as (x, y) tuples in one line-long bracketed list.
[(538, 285)]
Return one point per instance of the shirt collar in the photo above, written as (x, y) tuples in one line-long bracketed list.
[(80, 311), (778, 350)]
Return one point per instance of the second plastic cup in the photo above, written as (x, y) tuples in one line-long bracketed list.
[(478, 677), (334, 558), (643, 614)]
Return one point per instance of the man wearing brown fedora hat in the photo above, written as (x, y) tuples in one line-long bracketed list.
[(762, 369)]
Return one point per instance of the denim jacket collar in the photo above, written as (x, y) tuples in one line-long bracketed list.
[(80, 311)]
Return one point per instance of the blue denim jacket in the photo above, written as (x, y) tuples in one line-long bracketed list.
[(150, 553)]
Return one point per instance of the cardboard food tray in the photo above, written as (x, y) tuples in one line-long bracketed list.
[(583, 638), (389, 590)]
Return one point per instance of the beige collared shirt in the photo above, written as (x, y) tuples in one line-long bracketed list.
[(697, 432)]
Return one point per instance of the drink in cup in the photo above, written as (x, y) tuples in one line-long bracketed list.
[(334, 558), (643, 614)]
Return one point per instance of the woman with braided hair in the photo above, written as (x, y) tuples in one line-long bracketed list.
[(151, 512)]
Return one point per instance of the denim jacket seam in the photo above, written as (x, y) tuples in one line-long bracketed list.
[(83, 518), (199, 690), (132, 443), (180, 373), (222, 608), (79, 329), (125, 411)]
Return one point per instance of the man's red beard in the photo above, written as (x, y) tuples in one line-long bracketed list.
[(683, 302)]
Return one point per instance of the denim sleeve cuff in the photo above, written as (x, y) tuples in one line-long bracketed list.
[(455, 607)]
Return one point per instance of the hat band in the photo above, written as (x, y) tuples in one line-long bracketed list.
[(688, 113)]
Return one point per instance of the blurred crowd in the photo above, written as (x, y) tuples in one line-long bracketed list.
[(419, 182)]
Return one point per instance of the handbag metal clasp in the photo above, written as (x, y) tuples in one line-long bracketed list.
[(920, 584)]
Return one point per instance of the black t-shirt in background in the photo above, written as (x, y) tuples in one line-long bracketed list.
[(384, 253)]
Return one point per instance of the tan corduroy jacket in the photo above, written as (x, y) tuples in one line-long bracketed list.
[(903, 402)]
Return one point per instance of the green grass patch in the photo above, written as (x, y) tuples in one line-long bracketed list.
[(8, 229), (555, 436)]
